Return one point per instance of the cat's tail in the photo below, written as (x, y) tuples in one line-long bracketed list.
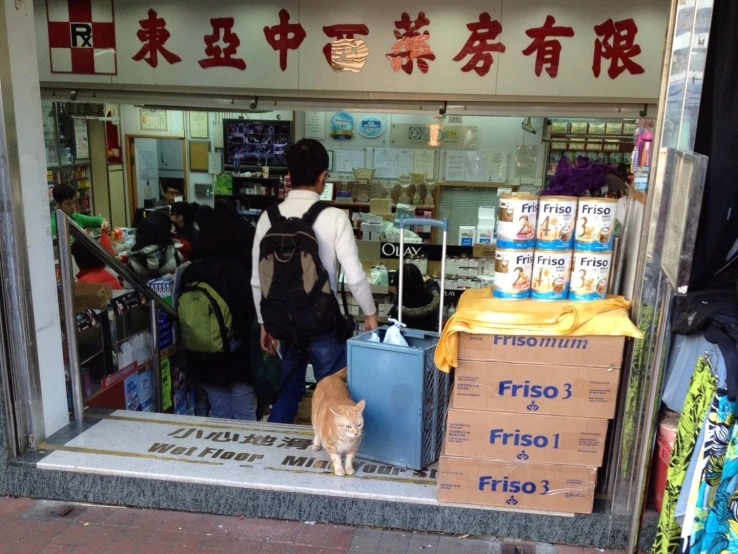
[(343, 374)]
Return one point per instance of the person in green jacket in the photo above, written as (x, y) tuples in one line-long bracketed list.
[(66, 200)]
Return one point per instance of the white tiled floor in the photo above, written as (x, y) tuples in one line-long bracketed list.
[(241, 454), (251, 455)]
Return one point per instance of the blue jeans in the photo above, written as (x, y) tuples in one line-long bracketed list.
[(235, 402), (326, 354)]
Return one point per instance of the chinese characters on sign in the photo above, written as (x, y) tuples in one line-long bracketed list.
[(480, 46), (75, 45), (153, 34), (346, 53), (411, 46), (222, 57), (284, 37), (616, 42), (547, 50)]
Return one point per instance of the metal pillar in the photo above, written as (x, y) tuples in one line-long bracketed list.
[(70, 321), (156, 354), (643, 367)]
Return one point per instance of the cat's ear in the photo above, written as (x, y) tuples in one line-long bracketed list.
[(360, 405), (334, 412)]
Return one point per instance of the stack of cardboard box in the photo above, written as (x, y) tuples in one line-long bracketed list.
[(528, 421)]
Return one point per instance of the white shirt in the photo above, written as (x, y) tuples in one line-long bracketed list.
[(335, 243)]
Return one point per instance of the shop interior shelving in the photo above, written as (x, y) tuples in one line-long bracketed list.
[(610, 147), (63, 164)]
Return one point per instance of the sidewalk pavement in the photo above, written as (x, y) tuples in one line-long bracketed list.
[(46, 527)]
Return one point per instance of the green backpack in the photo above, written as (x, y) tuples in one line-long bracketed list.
[(205, 320)]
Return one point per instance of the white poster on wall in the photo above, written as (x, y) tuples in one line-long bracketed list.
[(153, 121), (348, 160), (497, 163), (199, 125), (315, 125), (81, 141), (455, 166), (390, 163), (425, 162), (215, 163)]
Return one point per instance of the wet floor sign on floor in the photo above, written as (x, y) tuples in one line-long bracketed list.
[(240, 454)]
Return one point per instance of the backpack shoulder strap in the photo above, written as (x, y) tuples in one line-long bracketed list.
[(275, 216), (198, 286), (315, 210)]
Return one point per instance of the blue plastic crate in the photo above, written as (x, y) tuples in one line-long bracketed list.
[(406, 398)]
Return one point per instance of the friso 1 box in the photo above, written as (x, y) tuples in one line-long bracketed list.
[(536, 388), (588, 351), (550, 487), (525, 437)]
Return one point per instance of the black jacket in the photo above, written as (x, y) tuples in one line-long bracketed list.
[(424, 318), (231, 281)]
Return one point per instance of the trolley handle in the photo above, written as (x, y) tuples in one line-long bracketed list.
[(409, 221), (438, 223)]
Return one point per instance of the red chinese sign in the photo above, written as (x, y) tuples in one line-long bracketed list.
[(480, 46), (82, 40), (411, 45), (153, 34), (616, 42), (284, 37), (346, 52), (218, 56), (546, 47)]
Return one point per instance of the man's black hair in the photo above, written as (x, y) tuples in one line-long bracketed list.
[(306, 160), (170, 183), (84, 257), (187, 210), (154, 230), (64, 192)]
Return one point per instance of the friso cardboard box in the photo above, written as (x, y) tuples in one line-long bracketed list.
[(587, 351), (536, 388), (525, 437), (551, 487)]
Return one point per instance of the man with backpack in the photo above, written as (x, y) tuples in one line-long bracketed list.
[(296, 250)]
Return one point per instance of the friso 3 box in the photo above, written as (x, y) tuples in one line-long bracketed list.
[(557, 488), (537, 389), (566, 376)]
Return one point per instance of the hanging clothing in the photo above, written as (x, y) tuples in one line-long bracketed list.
[(712, 458), (721, 530), (702, 389), (685, 351), (687, 503), (715, 312)]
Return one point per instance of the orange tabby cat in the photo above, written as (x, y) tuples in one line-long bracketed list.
[(337, 421)]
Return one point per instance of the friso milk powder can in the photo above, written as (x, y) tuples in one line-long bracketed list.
[(595, 224), (590, 275), (551, 270), (512, 273), (516, 220), (556, 218)]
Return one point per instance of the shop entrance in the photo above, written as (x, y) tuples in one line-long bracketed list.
[(143, 417), (156, 171)]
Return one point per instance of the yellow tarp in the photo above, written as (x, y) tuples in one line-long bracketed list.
[(478, 313)]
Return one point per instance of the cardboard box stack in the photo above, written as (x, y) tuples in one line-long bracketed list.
[(528, 421)]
